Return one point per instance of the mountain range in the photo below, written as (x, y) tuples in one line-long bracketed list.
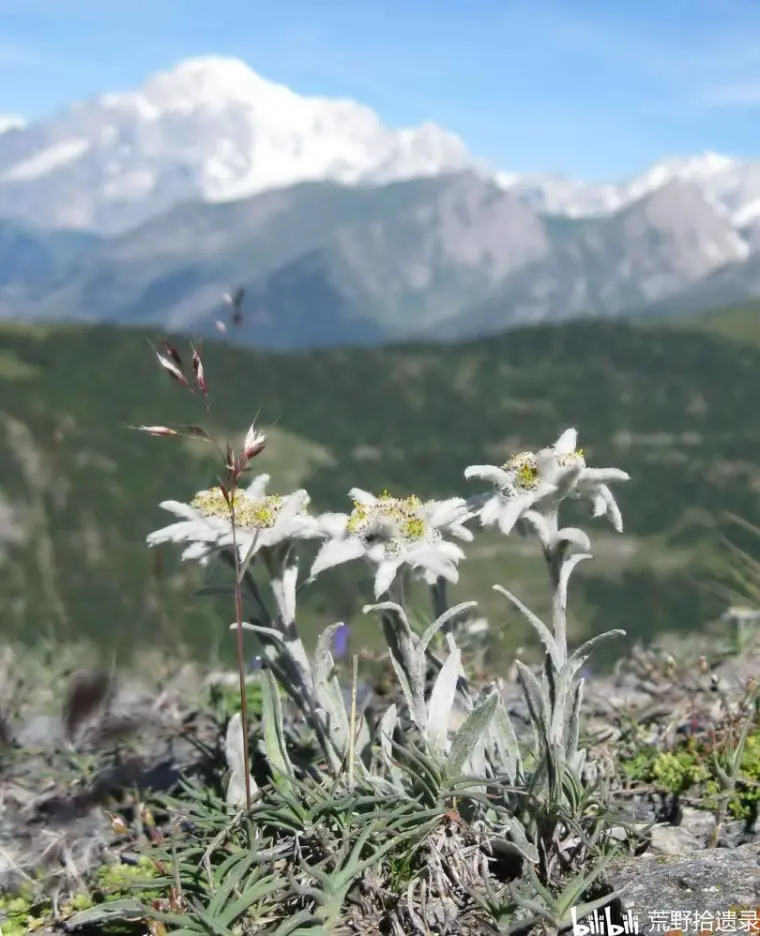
[(144, 207)]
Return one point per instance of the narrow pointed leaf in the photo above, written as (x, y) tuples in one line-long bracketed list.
[(441, 703), (471, 731), (547, 638)]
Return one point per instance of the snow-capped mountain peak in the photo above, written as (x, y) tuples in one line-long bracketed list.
[(211, 82), (209, 128), (730, 186)]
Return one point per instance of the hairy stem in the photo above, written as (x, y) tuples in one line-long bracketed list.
[(241, 664)]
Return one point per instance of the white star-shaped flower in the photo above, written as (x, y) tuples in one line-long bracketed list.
[(535, 482), (260, 521), (390, 532)]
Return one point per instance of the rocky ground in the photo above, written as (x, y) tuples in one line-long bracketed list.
[(84, 747)]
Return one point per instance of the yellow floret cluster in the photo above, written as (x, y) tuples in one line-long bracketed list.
[(249, 513), (524, 469), (402, 514)]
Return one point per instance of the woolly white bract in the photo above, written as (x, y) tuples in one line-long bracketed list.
[(260, 521), (533, 484), (391, 532)]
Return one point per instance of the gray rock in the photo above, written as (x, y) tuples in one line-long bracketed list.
[(673, 840), (699, 892), (698, 821)]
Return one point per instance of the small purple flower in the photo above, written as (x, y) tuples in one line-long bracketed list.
[(255, 664), (340, 641)]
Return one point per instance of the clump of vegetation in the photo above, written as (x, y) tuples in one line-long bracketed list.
[(307, 812)]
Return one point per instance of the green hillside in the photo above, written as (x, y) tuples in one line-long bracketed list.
[(79, 491), (740, 322)]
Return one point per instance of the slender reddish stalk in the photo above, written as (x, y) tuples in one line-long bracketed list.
[(241, 666)]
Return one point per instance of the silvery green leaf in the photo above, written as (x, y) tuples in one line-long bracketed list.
[(234, 752), (438, 623), (577, 762), (503, 738), (327, 690), (567, 569), (543, 631), (725, 780), (274, 732), (129, 908), (575, 537), (535, 696), (389, 606), (235, 757), (323, 658), (418, 716), (470, 732), (451, 646), (260, 629), (572, 732), (476, 763), (441, 702), (570, 670), (519, 841), (363, 739), (334, 697), (385, 730), (411, 676)]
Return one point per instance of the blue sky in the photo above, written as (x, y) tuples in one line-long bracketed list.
[(592, 88)]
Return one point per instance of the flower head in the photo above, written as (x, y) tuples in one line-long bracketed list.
[(392, 531), (255, 443), (538, 481), (260, 520)]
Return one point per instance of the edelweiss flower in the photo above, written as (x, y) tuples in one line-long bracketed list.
[(538, 481), (260, 521), (391, 532)]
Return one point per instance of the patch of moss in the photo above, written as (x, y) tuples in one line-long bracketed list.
[(691, 767), (26, 912)]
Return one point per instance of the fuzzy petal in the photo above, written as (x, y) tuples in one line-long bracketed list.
[(196, 551), (512, 510), (605, 503), (489, 512), (335, 552), (293, 504), (386, 573), (180, 509), (257, 488), (497, 476), (444, 513), (248, 540), (567, 443), (602, 476), (461, 532), (284, 591), (332, 524), (362, 497), (204, 530)]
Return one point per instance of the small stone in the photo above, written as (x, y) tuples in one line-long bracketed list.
[(673, 840), (698, 821)]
